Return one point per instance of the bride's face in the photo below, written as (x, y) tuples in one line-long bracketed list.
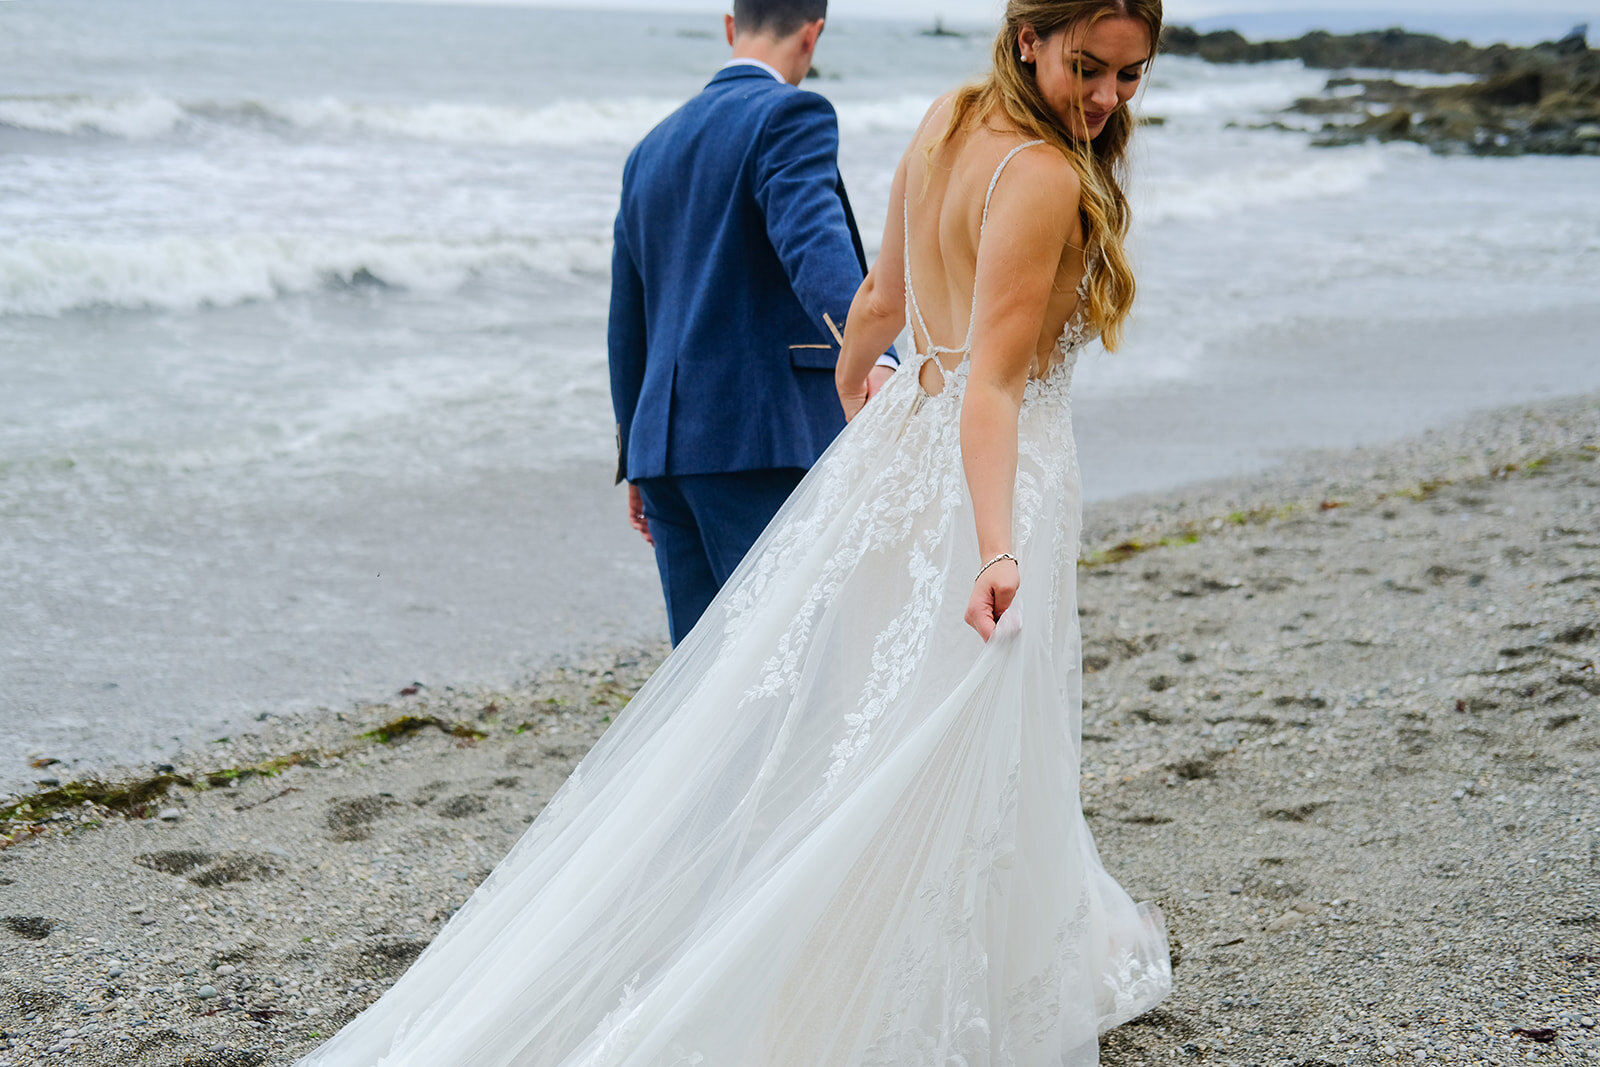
[(1087, 72)]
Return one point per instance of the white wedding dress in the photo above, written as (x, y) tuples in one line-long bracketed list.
[(835, 828)]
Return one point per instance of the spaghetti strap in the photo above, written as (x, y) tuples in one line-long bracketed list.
[(972, 313), (911, 292), (988, 196)]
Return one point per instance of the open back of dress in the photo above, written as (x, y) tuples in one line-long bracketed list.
[(1074, 334)]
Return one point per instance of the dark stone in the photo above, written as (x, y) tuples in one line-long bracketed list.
[(31, 927), (174, 861), (1296, 812), (1197, 768), (1521, 88), (464, 806), (39, 1002), (351, 818), (1544, 99), (384, 959), (237, 867), (227, 1058)]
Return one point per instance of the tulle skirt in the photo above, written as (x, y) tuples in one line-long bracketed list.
[(836, 828)]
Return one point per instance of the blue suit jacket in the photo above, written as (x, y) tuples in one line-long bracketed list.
[(733, 240)]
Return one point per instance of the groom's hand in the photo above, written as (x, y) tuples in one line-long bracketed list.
[(636, 517), (876, 379)]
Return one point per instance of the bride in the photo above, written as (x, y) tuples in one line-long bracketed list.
[(838, 827)]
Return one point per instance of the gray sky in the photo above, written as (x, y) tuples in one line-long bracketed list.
[(1176, 10)]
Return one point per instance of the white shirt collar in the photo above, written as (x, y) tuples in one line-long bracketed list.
[(747, 62)]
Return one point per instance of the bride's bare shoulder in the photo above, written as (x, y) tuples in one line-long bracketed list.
[(1037, 193), (939, 109), (934, 120), (1044, 170)]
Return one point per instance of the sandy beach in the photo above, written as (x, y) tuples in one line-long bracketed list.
[(1340, 722)]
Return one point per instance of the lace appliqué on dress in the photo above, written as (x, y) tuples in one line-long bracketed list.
[(1134, 985)]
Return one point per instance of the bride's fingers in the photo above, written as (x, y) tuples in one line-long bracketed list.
[(991, 596), (984, 625), (981, 615)]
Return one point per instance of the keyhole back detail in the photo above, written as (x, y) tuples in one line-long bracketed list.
[(932, 351)]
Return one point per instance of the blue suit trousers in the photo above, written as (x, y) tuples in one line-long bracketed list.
[(703, 525)]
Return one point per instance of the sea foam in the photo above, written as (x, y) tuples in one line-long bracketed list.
[(1264, 181), (137, 117), (147, 116), (47, 277)]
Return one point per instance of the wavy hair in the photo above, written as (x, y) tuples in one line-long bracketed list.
[(1012, 87)]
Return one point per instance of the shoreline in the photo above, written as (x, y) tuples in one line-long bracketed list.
[(1340, 725), (1250, 414), (464, 600), (1303, 480)]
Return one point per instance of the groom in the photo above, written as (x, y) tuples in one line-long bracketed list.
[(736, 258)]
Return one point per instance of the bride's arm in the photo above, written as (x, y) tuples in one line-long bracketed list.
[(878, 312), (1031, 220)]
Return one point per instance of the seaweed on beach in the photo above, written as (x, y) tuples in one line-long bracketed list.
[(125, 798), (1126, 550), (132, 799), (1192, 531), (138, 798), (406, 725)]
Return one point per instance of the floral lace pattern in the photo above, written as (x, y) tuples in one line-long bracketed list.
[(1036, 1002), (1135, 984)]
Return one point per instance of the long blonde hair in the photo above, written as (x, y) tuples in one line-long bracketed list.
[(1012, 87)]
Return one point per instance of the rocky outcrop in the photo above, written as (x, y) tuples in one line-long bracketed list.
[(1393, 49), (1543, 99)]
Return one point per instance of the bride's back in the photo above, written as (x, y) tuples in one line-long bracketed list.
[(945, 192)]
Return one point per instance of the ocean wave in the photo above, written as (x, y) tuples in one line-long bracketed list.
[(148, 116), (1183, 88), (571, 122), (48, 277), (1310, 176), (135, 118), (874, 116)]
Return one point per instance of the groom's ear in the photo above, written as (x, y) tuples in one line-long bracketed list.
[(812, 32), (809, 34), (727, 24)]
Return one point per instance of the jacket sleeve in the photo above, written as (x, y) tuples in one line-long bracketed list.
[(797, 188), (625, 339)]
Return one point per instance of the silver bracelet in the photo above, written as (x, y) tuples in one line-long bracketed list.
[(997, 559)]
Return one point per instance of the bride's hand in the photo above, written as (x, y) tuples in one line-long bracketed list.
[(992, 594)]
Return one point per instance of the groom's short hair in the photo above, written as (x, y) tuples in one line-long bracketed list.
[(780, 18)]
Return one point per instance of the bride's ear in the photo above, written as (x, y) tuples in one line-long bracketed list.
[(1027, 43)]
